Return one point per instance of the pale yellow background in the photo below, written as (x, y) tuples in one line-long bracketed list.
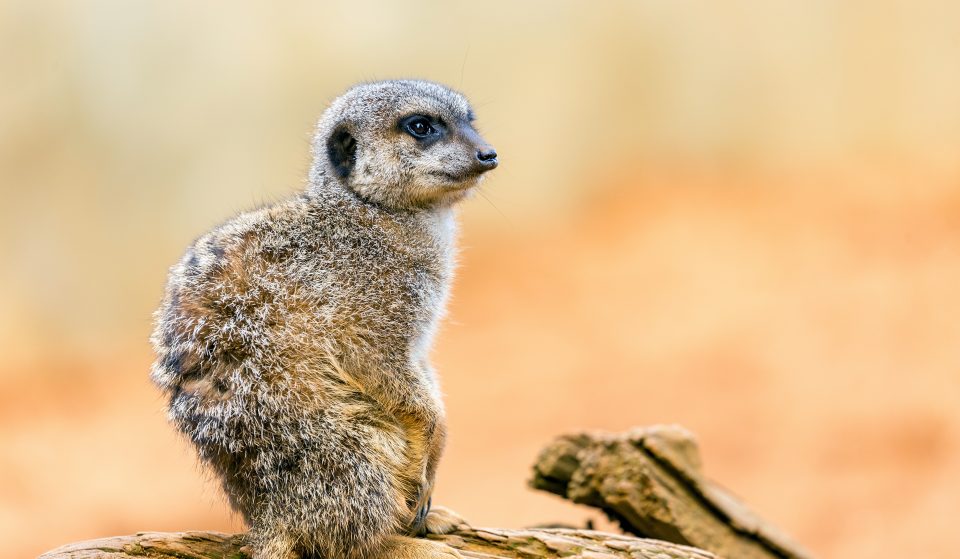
[(740, 216)]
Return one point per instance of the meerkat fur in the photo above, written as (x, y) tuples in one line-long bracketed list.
[(292, 340)]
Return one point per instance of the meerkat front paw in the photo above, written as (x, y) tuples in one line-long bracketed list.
[(441, 520)]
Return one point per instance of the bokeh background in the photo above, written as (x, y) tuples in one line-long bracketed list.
[(740, 216)]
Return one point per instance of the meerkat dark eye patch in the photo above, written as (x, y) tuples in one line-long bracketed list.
[(342, 151), (421, 127)]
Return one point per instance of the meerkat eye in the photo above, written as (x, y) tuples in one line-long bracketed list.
[(419, 127)]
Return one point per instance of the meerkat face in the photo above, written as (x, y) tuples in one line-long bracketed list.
[(403, 144)]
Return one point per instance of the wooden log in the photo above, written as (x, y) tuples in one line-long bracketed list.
[(476, 543), (650, 481)]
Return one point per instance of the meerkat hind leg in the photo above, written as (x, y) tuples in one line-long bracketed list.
[(406, 547), (276, 547)]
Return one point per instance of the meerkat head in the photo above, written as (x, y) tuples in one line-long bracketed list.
[(401, 144)]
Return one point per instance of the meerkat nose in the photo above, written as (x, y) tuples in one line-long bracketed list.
[(487, 156)]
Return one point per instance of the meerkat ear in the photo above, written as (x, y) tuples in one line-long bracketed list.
[(342, 151)]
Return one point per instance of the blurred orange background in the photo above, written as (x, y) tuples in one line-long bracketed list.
[(743, 217)]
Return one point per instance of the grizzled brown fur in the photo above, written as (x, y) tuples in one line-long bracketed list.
[(292, 340)]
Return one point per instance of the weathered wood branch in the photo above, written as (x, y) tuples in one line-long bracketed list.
[(476, 543), (650, 481)]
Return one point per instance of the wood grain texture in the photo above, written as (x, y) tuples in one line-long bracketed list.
[(478, 543)]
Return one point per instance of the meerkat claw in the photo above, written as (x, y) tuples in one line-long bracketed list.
[(418, 527)]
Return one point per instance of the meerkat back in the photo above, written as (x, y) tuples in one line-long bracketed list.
[(292, 340)]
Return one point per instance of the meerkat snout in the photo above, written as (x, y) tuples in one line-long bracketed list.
[(486, 154), (487, 157), (402, 144)]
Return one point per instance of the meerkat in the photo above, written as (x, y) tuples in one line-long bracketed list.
[(292, 341)]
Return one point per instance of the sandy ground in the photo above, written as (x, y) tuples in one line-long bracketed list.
[(807, 333)]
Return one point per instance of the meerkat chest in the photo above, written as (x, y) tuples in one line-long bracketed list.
[(416, 284), (395, 274), (432, 262)]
